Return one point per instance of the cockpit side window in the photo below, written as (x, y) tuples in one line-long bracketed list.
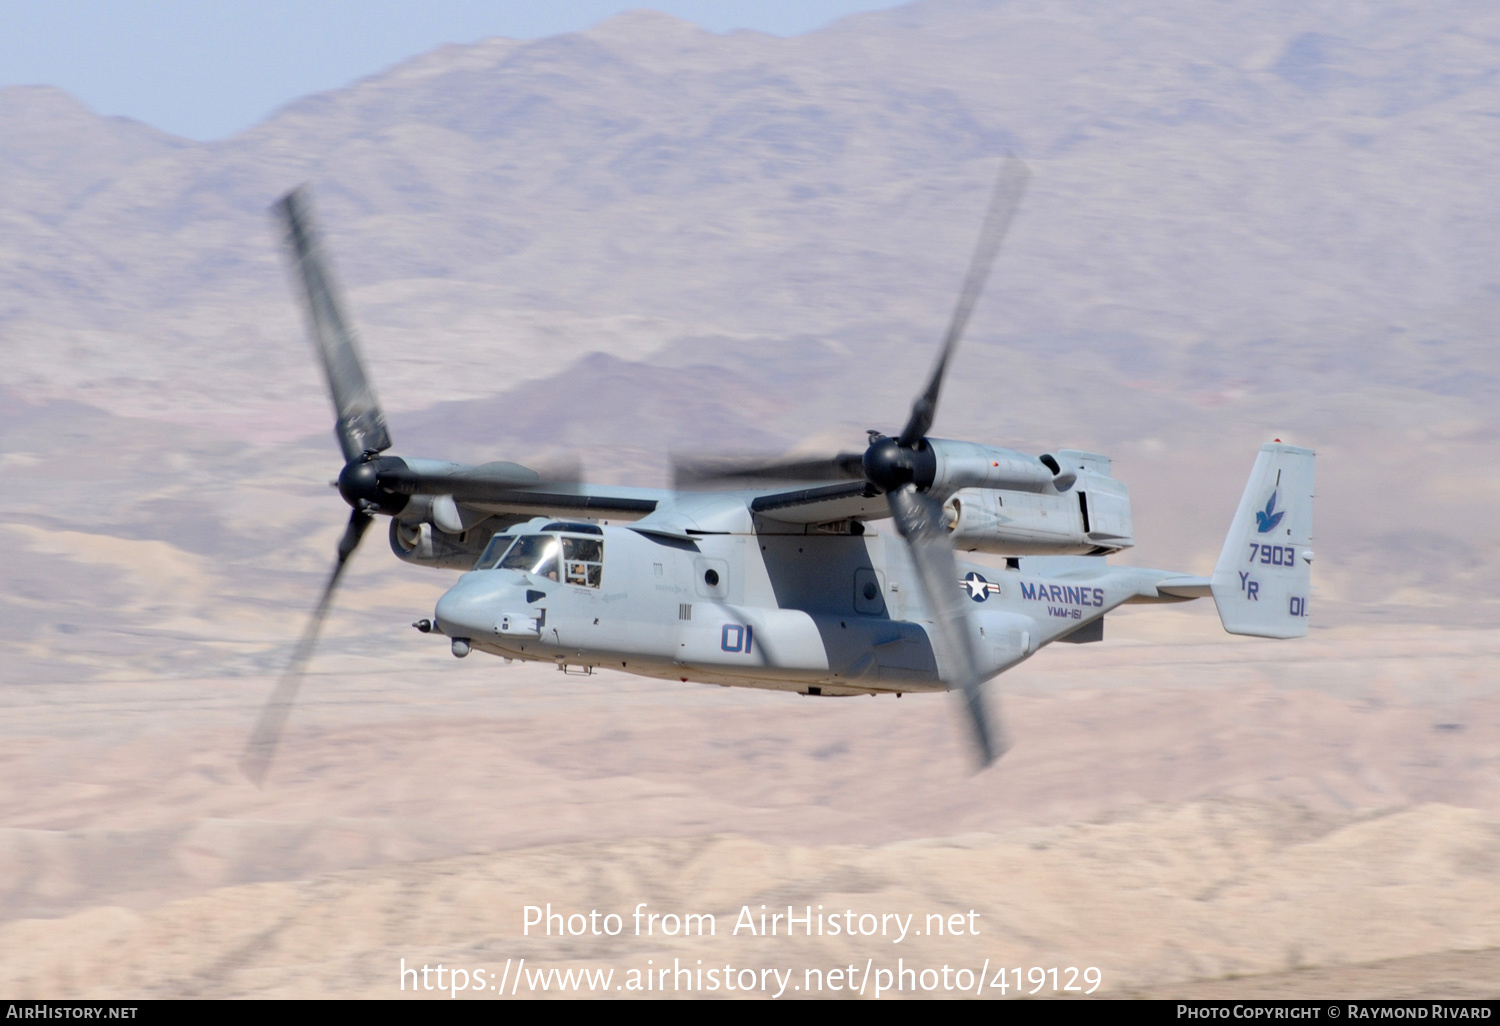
[(583, 561), (493, 551), (535, 554)]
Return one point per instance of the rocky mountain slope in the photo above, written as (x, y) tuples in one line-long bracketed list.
[(1243, 224)]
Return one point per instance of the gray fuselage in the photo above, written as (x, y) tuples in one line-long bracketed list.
[(820, 613)]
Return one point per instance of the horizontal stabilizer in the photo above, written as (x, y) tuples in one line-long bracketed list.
[(1184, 587)]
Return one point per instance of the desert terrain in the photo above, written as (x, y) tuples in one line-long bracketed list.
[(1179, 807), (647, 239)]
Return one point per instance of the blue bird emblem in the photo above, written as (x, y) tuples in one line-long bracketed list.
[(1269, 518)]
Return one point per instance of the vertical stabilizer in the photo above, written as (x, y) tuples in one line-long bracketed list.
[(1264, 574)]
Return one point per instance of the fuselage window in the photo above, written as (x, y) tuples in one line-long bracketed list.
[(493, 551), (583, 561)]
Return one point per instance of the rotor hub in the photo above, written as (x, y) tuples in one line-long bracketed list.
[(359, 484), (888, 464)]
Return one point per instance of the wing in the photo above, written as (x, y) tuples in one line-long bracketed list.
[(573, 500), (851, 500)]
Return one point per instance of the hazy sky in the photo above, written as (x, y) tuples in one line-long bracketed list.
[(209, 68)]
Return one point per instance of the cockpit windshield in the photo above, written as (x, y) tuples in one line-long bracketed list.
[(578, 561), (493, 551), (535, 554)]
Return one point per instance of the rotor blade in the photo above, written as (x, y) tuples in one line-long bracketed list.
[(1009, 188), (919, 518), (845, 466), (361, 426), (261, 747)]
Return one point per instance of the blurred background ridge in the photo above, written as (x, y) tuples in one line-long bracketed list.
[(647, 237)]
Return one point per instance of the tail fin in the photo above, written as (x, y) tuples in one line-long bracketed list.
[(1262, 580)]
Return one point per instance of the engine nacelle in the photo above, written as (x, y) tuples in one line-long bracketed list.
[(957, 465), (1091, 517), (427, 545)]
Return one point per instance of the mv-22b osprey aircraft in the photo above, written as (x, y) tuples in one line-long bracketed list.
[(831, 576)]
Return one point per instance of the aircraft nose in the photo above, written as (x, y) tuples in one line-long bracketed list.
[(468, 609)]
